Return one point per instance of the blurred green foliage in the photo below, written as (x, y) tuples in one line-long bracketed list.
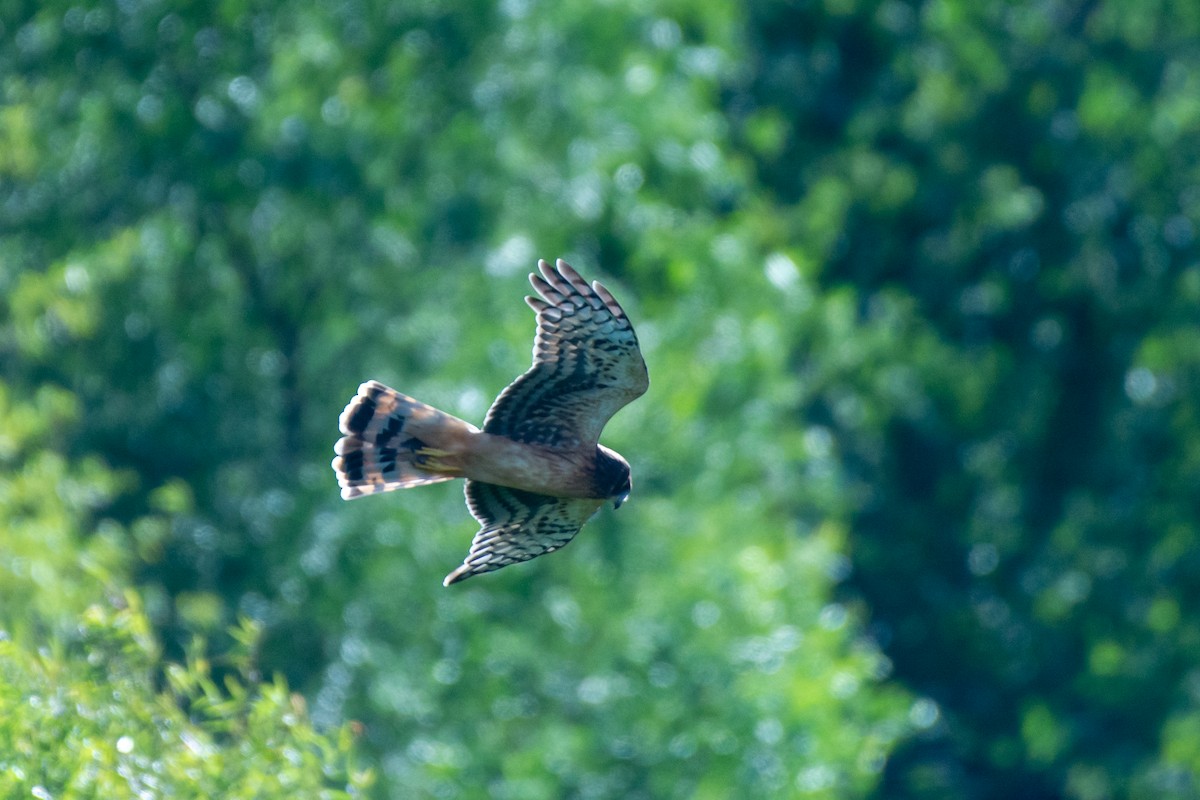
[(87, 723), (915, 508), (80, 712)]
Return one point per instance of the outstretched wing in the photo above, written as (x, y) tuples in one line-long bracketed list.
[(517, 526), (586, 365)]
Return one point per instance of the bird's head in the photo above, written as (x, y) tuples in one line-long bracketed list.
[(623, 493), (612, 476)]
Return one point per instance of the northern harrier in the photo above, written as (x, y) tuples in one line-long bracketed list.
[(536, 472)]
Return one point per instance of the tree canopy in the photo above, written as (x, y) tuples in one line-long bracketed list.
[(915, 508)]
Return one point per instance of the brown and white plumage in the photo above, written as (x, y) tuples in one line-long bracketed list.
[(536, 471), (586, 365), (518, 526)]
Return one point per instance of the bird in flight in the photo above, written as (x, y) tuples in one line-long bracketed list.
[(536, 472)]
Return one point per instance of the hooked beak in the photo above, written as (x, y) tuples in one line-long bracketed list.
[(621, 498)]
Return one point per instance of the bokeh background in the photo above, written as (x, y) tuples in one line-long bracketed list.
[(917, 483)]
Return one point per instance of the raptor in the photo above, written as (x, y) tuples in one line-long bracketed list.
[(536, 471)]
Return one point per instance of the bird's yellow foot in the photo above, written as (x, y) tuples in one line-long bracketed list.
[(432, 459)]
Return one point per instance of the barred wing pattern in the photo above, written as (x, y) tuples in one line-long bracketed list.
[(586, 365), (517, 526)]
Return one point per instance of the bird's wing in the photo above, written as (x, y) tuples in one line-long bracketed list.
[(586, 365), (517, 526)]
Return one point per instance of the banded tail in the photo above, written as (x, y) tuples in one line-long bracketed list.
[(391, 441)]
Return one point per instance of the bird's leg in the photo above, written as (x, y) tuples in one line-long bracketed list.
[(432, 459)]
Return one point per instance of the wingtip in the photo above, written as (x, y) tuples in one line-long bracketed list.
[(457, 576), (607, 297), (568, 272), (542, 276)]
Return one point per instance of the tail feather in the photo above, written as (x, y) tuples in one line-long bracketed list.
[(391, 441)]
